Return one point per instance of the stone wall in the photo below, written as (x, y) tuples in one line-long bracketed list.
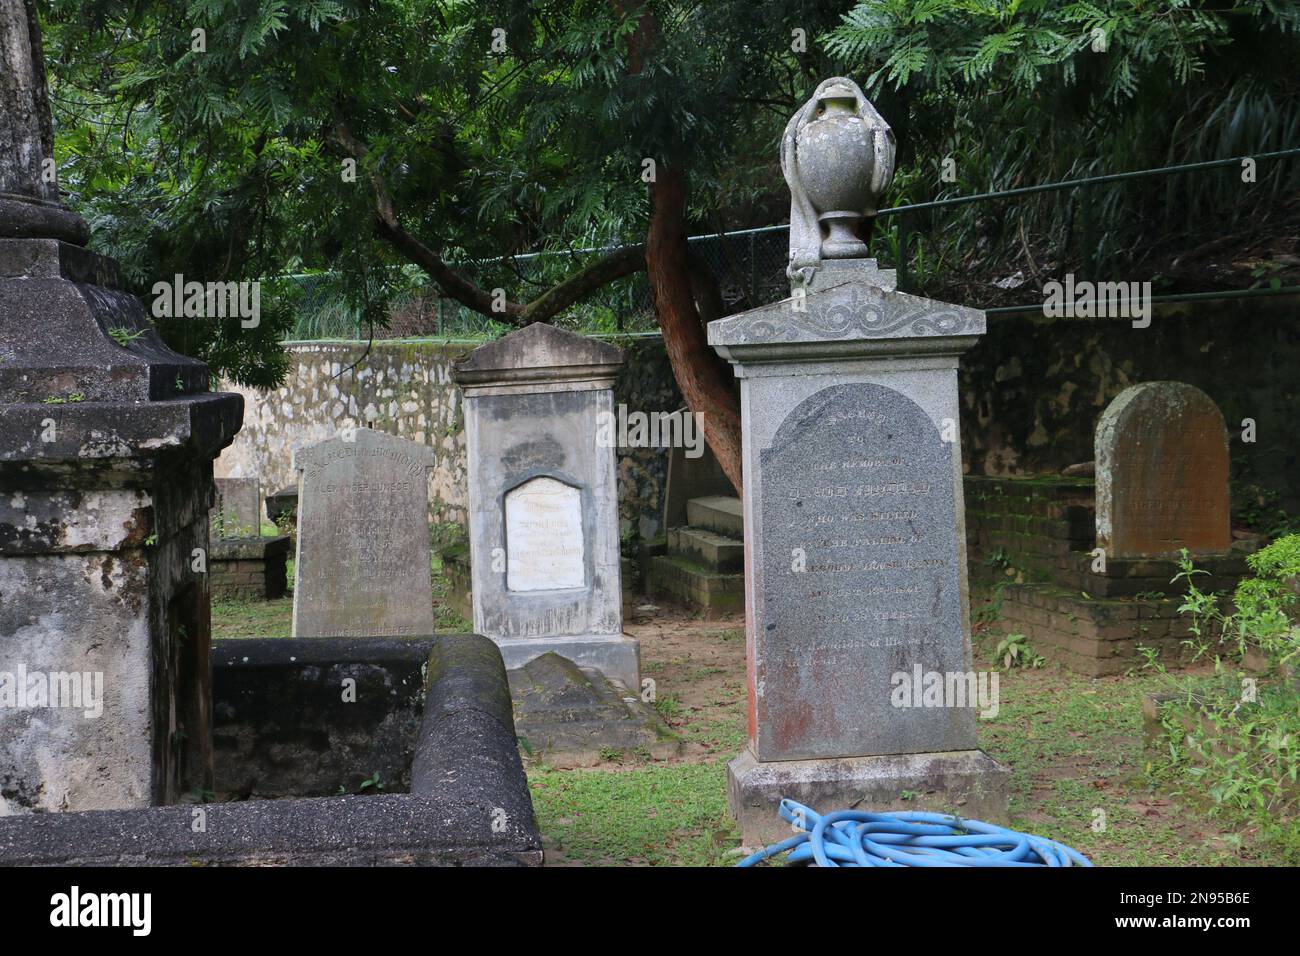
[(1032, 390)]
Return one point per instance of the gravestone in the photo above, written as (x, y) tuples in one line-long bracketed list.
[(853, 517), (363, 558), (238, 509), (106, 450), (1162, 473), (543, 505)]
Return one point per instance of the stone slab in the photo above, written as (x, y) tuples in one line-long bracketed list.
[(1162, 473), (721, 514), (571, 717), (716, 552), (363, 558), (964, 783)]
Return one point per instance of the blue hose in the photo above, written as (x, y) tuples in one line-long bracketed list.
[(909, 838)]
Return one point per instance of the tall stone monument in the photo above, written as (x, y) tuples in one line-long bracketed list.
[(1162, 473), (106, 452), (543, 500), (854, 532), (363, 567)]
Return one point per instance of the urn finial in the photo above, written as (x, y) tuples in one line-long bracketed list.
[(837, 155)]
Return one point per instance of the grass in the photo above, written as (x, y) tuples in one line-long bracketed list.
[(1080, 774), (666, 815), (231, 618)]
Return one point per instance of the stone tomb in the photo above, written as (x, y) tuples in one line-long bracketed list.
[(1161, 486), (106, 449), (1162, 473), (363, 555), (543, 521)]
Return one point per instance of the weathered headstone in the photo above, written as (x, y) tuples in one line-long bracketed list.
[(106, 449), (854, 529), (363, 559), (1162, 473), (543, 522), (238, 509)]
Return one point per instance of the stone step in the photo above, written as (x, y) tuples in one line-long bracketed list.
[(720, 514), (716, 595), (714, 551)]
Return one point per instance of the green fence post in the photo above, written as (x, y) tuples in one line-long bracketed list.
[(903, 236)]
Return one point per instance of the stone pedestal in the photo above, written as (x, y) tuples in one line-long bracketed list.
[(106, 456), (855, 552), (543, 500), (106, 449)]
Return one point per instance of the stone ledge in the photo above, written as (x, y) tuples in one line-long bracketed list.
[(451, 828), (968, 783)]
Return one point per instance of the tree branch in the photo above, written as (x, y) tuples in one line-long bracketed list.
[(621, 262)]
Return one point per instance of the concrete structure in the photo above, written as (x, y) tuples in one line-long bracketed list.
[(106, 449), (855, 562), (363, 558), (543, 523)]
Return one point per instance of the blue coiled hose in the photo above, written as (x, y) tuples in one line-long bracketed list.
[(909, 838)]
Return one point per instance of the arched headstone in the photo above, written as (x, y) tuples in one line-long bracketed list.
[(1162, 473)]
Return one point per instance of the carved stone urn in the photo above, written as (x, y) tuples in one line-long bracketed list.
[(845, 158)]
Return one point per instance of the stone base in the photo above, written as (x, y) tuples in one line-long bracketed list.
[(617, 656), (1091, 635), (967, 783), (572, 717), (249, 569), (713, 594)]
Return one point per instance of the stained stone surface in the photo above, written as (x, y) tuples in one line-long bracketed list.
[(362, 566), (543, 500), (861, 577), (238, 509), (573, 717), (1162, 473), (544, 539)]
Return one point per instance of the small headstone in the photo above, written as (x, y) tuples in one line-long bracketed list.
[(1162, 473), (363, 559), (237, 512), (543, 500)]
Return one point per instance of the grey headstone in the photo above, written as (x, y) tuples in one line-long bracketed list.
[(238, 509), (543, 499), (859, 484), (363, 559)]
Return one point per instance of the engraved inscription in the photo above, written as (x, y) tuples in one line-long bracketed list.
[(544, 546)]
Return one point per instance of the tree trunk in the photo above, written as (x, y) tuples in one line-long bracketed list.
[(705, 380)]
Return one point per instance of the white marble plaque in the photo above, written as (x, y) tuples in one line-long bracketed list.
[(544, 546)]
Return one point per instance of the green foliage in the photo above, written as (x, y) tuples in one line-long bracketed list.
[(1235, 736), (1014, 651)]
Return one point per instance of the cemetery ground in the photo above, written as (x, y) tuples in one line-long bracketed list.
[(1074, 743)]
